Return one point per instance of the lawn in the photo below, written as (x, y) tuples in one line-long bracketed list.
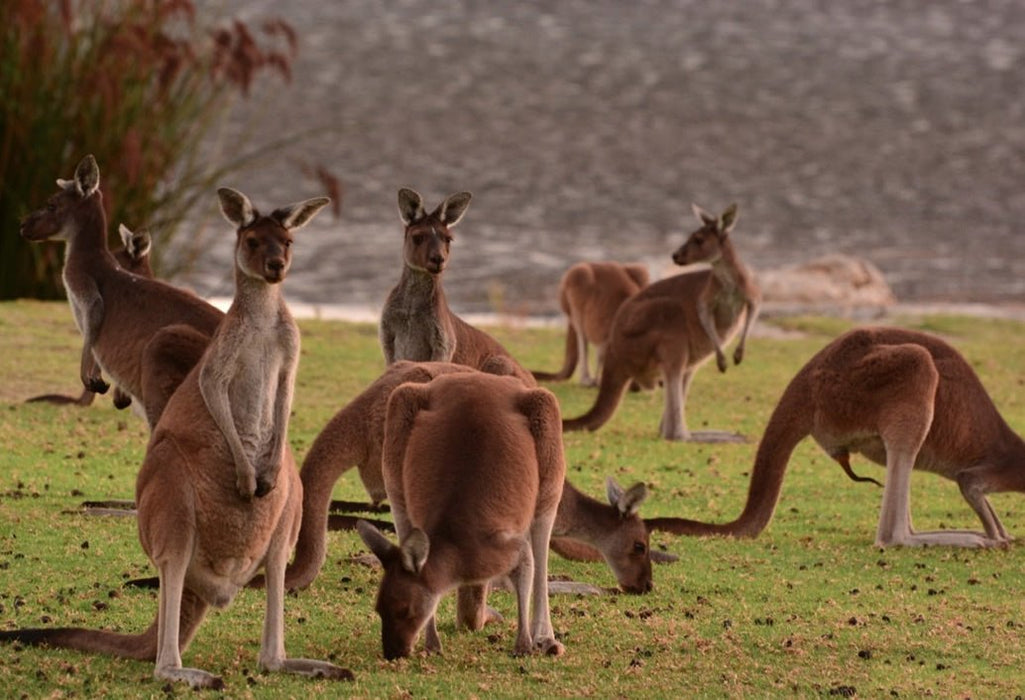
[(809, 608)]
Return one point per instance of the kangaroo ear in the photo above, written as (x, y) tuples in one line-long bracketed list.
[(137, 243), (373, 538), (295, 216), (411, 206), (140, 244), (87, 176), (126, 236), (415, 549), (704, 217), (452, 209), (627, 502), (236, 207), (728, 219)]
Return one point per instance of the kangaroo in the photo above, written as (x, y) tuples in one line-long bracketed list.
[(905, 400), (117, 312), (198, 522), (590, 293), (473, 466), (416, 322), (673, 326), (132, 256), (355, 436)]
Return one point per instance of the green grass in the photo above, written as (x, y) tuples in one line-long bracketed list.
[(809, 608)]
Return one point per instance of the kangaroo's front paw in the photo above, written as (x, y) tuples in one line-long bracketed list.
[(121, 399), (264, 485), (738, 355), (720, 361), (245, 482), (96, 384)]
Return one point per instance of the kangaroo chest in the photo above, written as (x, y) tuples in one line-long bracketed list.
[(421, 327), (264, 363)]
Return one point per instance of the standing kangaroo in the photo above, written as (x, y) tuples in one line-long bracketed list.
[(590, 293), (674, 325), (473, 466), (355, 436), (416, 322), (198, 521), (904, 399), (117, 312), (133, 256)]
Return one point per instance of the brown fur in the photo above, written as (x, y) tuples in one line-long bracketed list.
[(117, 312), (132, 256), (904, 399), (473, 467), (671, 327), (205, 539), (355, 435), (590, 293), (416, 322)]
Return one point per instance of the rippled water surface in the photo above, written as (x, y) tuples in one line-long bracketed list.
[(585, 128)]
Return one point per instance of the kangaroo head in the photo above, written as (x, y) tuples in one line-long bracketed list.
[(628, 553), (263, 244), (706, 244), (428, 236), (58, 219), (404, 602)]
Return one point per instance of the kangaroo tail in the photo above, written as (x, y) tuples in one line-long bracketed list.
[(569, 362), (85, 399), (610, 393), (141, 647), (332, 453), (789, 424)]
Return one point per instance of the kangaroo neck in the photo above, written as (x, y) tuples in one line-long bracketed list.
[(255, 298), (576, 513), (726, 269), (421, 289), (87, 243)]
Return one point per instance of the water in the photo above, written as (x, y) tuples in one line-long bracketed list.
[(585, 128)]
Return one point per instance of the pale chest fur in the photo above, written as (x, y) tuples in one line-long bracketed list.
[(419, 328), (726, 301), (262, 360)]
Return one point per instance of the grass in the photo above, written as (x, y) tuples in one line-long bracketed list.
[(809, 608)]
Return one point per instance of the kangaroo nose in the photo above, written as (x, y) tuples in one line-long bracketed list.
[(276, 265), (437, 259)]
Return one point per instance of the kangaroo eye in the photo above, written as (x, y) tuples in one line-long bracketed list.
[(418, 239), (252, 243), (640, 548)]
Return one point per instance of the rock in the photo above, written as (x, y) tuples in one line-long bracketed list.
[(832, 282)]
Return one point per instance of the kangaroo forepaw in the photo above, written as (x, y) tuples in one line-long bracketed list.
[(96, 385), (246, 485), (264, 486), (738, 355), (121, 400), (720, 361)]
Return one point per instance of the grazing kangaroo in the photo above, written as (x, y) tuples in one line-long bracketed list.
[(198, 521), (117, 312), (133, 256), (416, 322), (905, 400), (473, 466), (355, 436), (673, 326), (590, 293)]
